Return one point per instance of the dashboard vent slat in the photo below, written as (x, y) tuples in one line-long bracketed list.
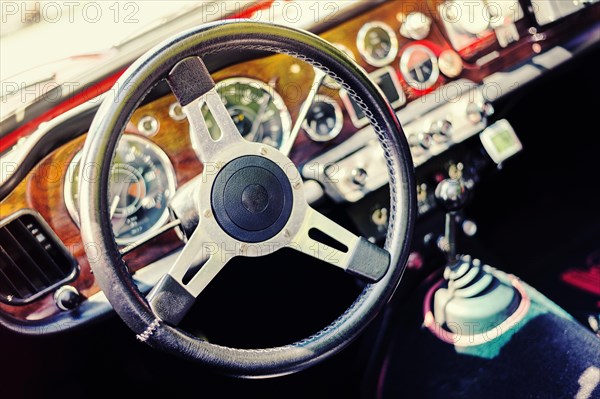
[(11, 276), (6, 284), (16, 273), (32, 259), (39, 256), (35, 278)]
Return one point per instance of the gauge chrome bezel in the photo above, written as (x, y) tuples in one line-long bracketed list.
[(376, 75), (339, 120), (360, 43), (162, 157), (284, 113), (435, 73)]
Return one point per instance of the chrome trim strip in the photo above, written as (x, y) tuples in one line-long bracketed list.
[(16, 157)]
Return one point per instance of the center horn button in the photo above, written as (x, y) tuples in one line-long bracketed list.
[(252, 199)]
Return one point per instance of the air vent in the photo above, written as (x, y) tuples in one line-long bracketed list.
[(32, 259)]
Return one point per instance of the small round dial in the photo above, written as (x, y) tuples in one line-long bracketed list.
[(419, 67), (324, 120), (450, 63), (257, 110), (377, 43), (141, 182)]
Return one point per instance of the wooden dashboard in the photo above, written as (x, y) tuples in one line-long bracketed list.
[(42, 189)]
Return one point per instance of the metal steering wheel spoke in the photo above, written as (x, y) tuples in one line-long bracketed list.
[(322, 238), (286, 148), (193, 87), (196, 266)]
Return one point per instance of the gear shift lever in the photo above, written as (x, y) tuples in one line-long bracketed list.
[(452, 196), (471, 297)]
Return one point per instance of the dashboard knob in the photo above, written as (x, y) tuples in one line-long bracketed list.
[(413, 140), (441, 130), (478, 111), (450, 63), (425, 140), (67, 297), (416, 26)]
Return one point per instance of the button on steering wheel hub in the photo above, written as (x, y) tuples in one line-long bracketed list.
[(252, 199)]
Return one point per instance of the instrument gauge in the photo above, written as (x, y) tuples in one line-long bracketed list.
[(141, 183), (419, 67), (324, 120), (257, 110), (377, 43)]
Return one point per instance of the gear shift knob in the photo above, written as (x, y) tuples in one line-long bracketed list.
[(451, 194)]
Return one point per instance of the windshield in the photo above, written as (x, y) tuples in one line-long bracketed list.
[(53, 52), (37, 34)]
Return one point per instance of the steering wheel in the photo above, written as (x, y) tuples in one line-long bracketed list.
[(254, 202)]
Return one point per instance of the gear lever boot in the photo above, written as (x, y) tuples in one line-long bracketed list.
[(471, 300)]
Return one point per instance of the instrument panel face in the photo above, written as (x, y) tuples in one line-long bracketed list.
[(141, 182), (419, 67), (257, 110), (324, 120)]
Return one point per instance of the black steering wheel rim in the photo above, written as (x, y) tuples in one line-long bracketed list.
[(109, 268)]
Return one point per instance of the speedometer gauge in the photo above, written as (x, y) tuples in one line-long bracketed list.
[(257, 110), (142, 181)]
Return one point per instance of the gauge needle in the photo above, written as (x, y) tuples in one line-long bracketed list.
[(259, 117), (420, 74), (114, 204), (287, 145)]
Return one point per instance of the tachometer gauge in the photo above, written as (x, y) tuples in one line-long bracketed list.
[(419, 67), (324, 119), (142, 181), (377, 43), (257, 110)]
